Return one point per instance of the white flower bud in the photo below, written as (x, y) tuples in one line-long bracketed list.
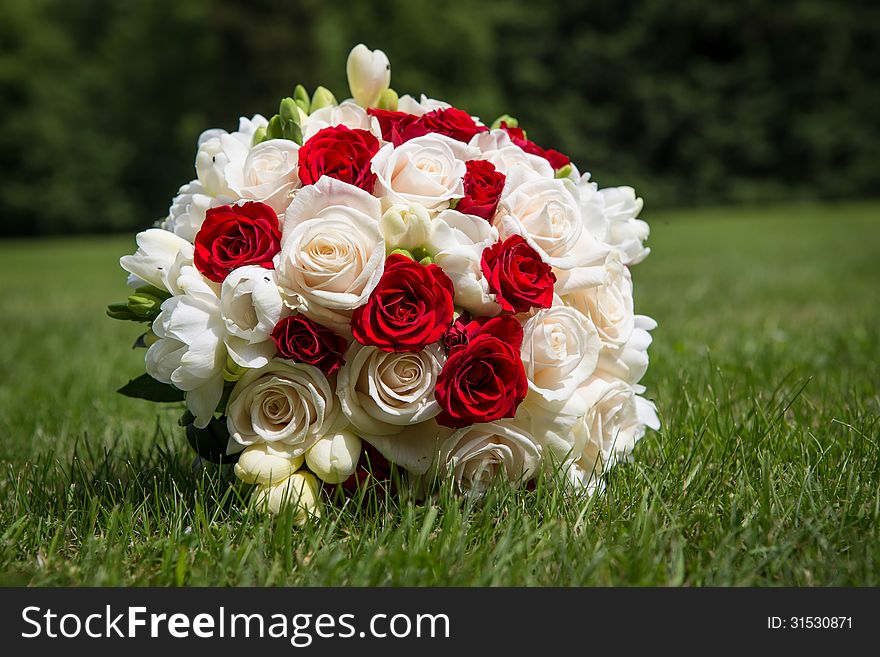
[(334, 457), (369, 74), (300, 489), (405, 226), (263, 464)]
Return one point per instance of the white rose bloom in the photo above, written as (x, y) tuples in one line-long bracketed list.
[(609, 304), (369, 74), (332, 252), (406, 226), (616, 421), (518, 166), (251, 306), (427, 170), (389, 400), (300, 489), (625, 232), (560, 351), (629, 361), (475, 455), (546, 213), (456, 245), (287, 403), (267, 174), (382, 391), (347, 113), (158, 261), (334, 457), (410, 105), (557, 426), (190, 353), (263, 464)]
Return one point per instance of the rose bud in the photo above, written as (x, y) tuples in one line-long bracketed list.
[(300, 489), (263, 464), (369, 74), (334, 458)]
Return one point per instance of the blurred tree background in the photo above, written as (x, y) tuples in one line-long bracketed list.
[(101, 101)]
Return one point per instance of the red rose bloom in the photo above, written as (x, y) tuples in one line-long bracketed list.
[(451, 122), (394, 125), (302, 340), (556, 159), (233, 236), (483, 380), (410, 308), (482, 189), (341, 153), (517, 276), (503, 327)]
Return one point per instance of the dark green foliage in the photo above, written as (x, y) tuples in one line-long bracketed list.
[(146, 387), (687, 101)]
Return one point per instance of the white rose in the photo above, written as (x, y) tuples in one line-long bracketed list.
[(334, 457), (190, 352), (263, 464), (557, 426), (382, 391), (427, 170), (626, 233), (158, 261), (475, 455), (629, 361), (251, 306), (406, 226), (609, 305), (369, 74), (389, 399), (300, 489), (547, 215), (332, 252), (268, 174), (347, 113), (410, 105), (616, 421), (456, 244), (511, 160), (560, 351), (289, 403)]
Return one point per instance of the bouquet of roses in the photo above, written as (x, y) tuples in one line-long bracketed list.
[(393, 276)]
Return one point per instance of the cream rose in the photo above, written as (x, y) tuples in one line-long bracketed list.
[(560, 351), (268, 174), (287, 403), (629, 361), (427, 170), (456, 244), (300, 489), (475, 455), (332, 252), (546, 213), (250, 305), (609, 305), (625, 232)]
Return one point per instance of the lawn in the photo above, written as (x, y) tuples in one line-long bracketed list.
[(765, 368)]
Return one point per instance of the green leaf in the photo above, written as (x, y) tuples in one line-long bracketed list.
[(210, 443), (146, 387)]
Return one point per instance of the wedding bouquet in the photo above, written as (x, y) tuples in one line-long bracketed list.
[(390, 274)]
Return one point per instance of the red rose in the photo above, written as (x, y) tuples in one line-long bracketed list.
[(503, 327), (302, 340), (410, 308), (517, 275), (342, 153), (451, 122), (556, 159), (482, 189), (483, 380), (394, 124), (233, 236)]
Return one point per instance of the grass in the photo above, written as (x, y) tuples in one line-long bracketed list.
[(765, 369)]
